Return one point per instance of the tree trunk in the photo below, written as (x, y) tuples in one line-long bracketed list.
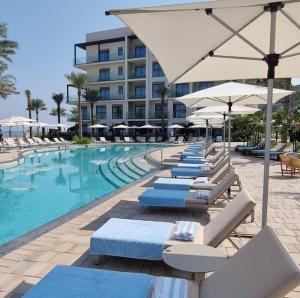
[(92, 116), (162, 111), (58, 118), (37, 120), (29, 116), (79, 114)]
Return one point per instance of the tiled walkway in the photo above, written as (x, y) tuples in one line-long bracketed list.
[(23, 265)]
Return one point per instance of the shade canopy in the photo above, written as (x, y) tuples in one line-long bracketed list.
[(97, 126), (204, 117), (134, 127), (231, 92), (236, 109), (16, 119), (214, 29), (120, 126), (148, 126), (175, 126)]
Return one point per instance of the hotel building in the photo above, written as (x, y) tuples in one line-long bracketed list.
[(128, 78)]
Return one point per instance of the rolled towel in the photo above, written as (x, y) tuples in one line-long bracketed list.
[(185, 230), (201, 180), (202, 194)]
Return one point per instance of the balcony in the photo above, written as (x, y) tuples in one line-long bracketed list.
[(110, 78), (134, 55), (135, 95), (157, 115), (134, 116), (136, 75), (112, 97), (98, 59)]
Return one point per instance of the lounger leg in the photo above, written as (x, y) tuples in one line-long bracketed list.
[(198, 276), (97, 259)]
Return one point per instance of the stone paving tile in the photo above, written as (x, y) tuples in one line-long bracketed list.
[(68, 243)]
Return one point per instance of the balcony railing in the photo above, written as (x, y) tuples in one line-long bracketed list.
[(133, 55), (134, 75), (157, 115), (73, 99), (136, 95), (136, 115), (111, 77), (97, 59)]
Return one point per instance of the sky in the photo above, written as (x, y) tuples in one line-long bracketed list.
[(46, 31)]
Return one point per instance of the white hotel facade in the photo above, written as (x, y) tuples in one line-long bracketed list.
[(128, 78)]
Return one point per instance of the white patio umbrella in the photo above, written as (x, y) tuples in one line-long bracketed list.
[(234, 40), (97, 126), (121, 126), (17, 119), (175, 126), (236, 109)]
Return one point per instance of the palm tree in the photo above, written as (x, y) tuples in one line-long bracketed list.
[(92, 96), (58, 113), (37, 106), (73, 115), (163, 92), (58, 98), (29, 108), (7, 47), (7, 85), (78, 80)]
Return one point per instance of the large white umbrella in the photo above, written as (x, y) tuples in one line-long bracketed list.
[(120, 126), (97, 126), (236, 109), (229, 39), (175, 126), (17, 119)]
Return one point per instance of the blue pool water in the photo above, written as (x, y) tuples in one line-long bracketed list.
[(50, 184)]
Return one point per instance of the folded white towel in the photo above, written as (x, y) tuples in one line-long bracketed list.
[(185, 230), (202, 194), (201, 180)]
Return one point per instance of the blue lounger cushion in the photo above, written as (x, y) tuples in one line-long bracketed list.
[(194, 160), (204, 167), (186, 172), (163, 198), (174, 184), (68, 281), (131, 239)]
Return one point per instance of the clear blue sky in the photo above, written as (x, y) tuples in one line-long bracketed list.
[(46, 31)]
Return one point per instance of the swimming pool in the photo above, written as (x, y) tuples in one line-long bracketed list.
[(52, 183)]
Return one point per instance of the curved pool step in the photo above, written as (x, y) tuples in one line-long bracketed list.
[(112, 165)]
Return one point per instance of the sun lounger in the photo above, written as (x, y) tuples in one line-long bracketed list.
[(274, 152), (141, 139), (171, 140), (262, 268), (141, 239), (32, 142), (151, 140), (127, 140), (103, 140), (180, 140), (187, 184), (39, 141), (182, 199), (49, 142), (201, 159), (95, 141), (10, 143), (118, 140), (57, 141)]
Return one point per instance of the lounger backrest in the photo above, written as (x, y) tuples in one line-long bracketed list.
[(223, 160), (102, 139), (10, 141), (262, 268), (278, 147), (223, 186), (220, 174), (47, 140), (31, 142), (228, 219), (56, 140)]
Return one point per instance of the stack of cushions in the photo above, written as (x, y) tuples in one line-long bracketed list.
[(185, 230)]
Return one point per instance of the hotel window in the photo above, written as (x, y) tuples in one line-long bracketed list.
[(120, 90), (202, 85), (140, 71), (104, 55), (120, 52), (85, 114), (156, 88), (120, 71), (158, 110), (104, 93), (179, 111), (117, 112), (139, 111), (157, 70), (104, 74), (100, 112), (182, 89), (140, 92), (140, 51)]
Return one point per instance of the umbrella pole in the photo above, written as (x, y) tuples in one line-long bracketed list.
[(272, 61), (224, 132), (206, 131), (229, 130)]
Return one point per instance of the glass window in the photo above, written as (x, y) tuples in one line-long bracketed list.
[(104, 74), (140, 71), (140, 92), (117, 112), (179, 111), (140, 51), (120, 52), (120, 90), (104, 93), (202, 85), (85, 114), (157, 109), (139, 111), (155, 89), (100, 112), (104, 55), (156, 70), (182, 89), (120, 71)]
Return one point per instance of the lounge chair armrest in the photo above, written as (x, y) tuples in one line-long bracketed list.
[(203, 185)]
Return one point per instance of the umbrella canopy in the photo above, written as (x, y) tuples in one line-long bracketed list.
[(236, 109), (97, 126), (231, 93), (217, 30), (17, 119), (7, 124), (234, 40), (148, 126), (58, 125), (175, 126), (121, 126), (133, 127)]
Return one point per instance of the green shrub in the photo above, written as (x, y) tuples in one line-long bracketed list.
[(82, 141)]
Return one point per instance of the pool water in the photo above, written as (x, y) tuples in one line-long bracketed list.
[(50, 184)]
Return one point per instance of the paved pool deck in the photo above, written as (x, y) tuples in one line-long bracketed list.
[(66, 241)]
